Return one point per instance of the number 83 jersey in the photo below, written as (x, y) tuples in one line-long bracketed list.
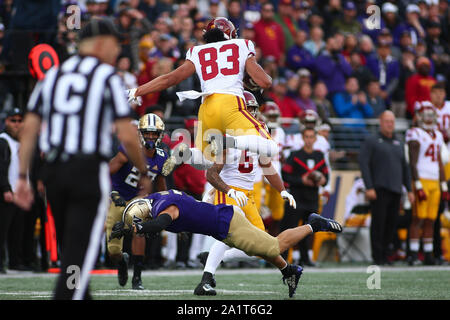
[(220, 66), (430, 145), (125, 181)]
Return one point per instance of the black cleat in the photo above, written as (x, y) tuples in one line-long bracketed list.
[(204, 289), (136, 283), (413, 259), (319, 223), (292, 278), (122, 270)]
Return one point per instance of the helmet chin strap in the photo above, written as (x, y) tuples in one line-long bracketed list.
[(150, 145)]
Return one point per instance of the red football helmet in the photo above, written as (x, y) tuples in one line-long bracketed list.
[(225, 25), (310, 118), (426, 115), (270, 109), (251, 103)]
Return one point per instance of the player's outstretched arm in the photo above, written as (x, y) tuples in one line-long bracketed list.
[(167, 80), (275, 181), (257, 73)]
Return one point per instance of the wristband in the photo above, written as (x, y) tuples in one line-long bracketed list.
[(418, 185), (444, 186)]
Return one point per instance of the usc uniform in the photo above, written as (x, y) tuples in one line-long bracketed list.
[(443, 122), (428, 170), (240, 172), (222, 65)]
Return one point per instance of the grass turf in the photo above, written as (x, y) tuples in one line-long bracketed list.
[(251, 284)]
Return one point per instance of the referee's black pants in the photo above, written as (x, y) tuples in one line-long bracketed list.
[(384, 216), (78, 191)]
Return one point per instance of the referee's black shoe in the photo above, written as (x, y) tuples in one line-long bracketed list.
[(122, 270), (136, 283)]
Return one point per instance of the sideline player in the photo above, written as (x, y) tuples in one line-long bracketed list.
[(424, 144), (177, 212), (221, 65), (124, 178), (234, 182)]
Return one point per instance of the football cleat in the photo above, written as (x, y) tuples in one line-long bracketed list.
[(204, 289), (319, 223), (136, 283), (122, 270), (203, 257), (292, 278), (413, 259)]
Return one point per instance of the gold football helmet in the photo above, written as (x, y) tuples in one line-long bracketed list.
[(150, 122), (138, 210)]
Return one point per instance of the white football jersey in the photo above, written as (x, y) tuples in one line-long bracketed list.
[(443, 118), (220, 66), (240, 169), (429, 153)]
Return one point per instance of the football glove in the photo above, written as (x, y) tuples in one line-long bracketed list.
[(287, 196), (168, 166), (240, 197), (421, 195), (117, 199), (119, 230), (132, 98)]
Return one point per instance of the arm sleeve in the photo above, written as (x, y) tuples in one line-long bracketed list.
[(5, 155), (364, 163), (156, 225), (35, 102)]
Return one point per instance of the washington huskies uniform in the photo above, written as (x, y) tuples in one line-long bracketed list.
[(219, 221), (125, 182), (428, 169), (240, 173), (222, 65)]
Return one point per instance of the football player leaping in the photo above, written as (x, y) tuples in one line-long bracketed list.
[(221, 65), (124, 177), (424, 144), (234, 182)]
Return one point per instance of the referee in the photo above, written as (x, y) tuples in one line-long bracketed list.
[(74, 109)]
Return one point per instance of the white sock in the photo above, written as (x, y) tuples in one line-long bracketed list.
[(172, 246), (414, 245), (196, 245), (234, 253), (257, 144), (215, 256), (428, 245)]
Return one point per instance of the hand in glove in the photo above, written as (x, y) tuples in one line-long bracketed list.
[(240, 197), (287, 196)]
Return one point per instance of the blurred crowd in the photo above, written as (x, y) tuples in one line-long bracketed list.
[(323, 55)]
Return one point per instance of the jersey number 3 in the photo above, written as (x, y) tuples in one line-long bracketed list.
[(208, 61)]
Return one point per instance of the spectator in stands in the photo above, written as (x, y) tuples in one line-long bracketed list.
[(315, 42), (348, 23), (350, 46), (384, 170), (366, 48), (374, 98), (407, 69), (390, 17), (297, 56), (437, 49), (269, 35), (284, 17), (332, 68), (418, 86), (248, 31), (235, 15), (412, 25), (359, 70), (352, 103), (287, 105), (324, 106), (385, 69), (303, 99)]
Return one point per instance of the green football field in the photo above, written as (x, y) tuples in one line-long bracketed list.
[(324, 283)]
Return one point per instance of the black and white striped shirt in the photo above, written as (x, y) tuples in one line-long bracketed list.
[(78, 103)]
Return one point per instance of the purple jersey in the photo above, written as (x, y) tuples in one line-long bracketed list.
[(125, 181), (194, 216)]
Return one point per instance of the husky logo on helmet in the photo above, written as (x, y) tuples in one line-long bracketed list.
[(225, 25), (426, 115), (151, 123), (138, 210), (251, 103)]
